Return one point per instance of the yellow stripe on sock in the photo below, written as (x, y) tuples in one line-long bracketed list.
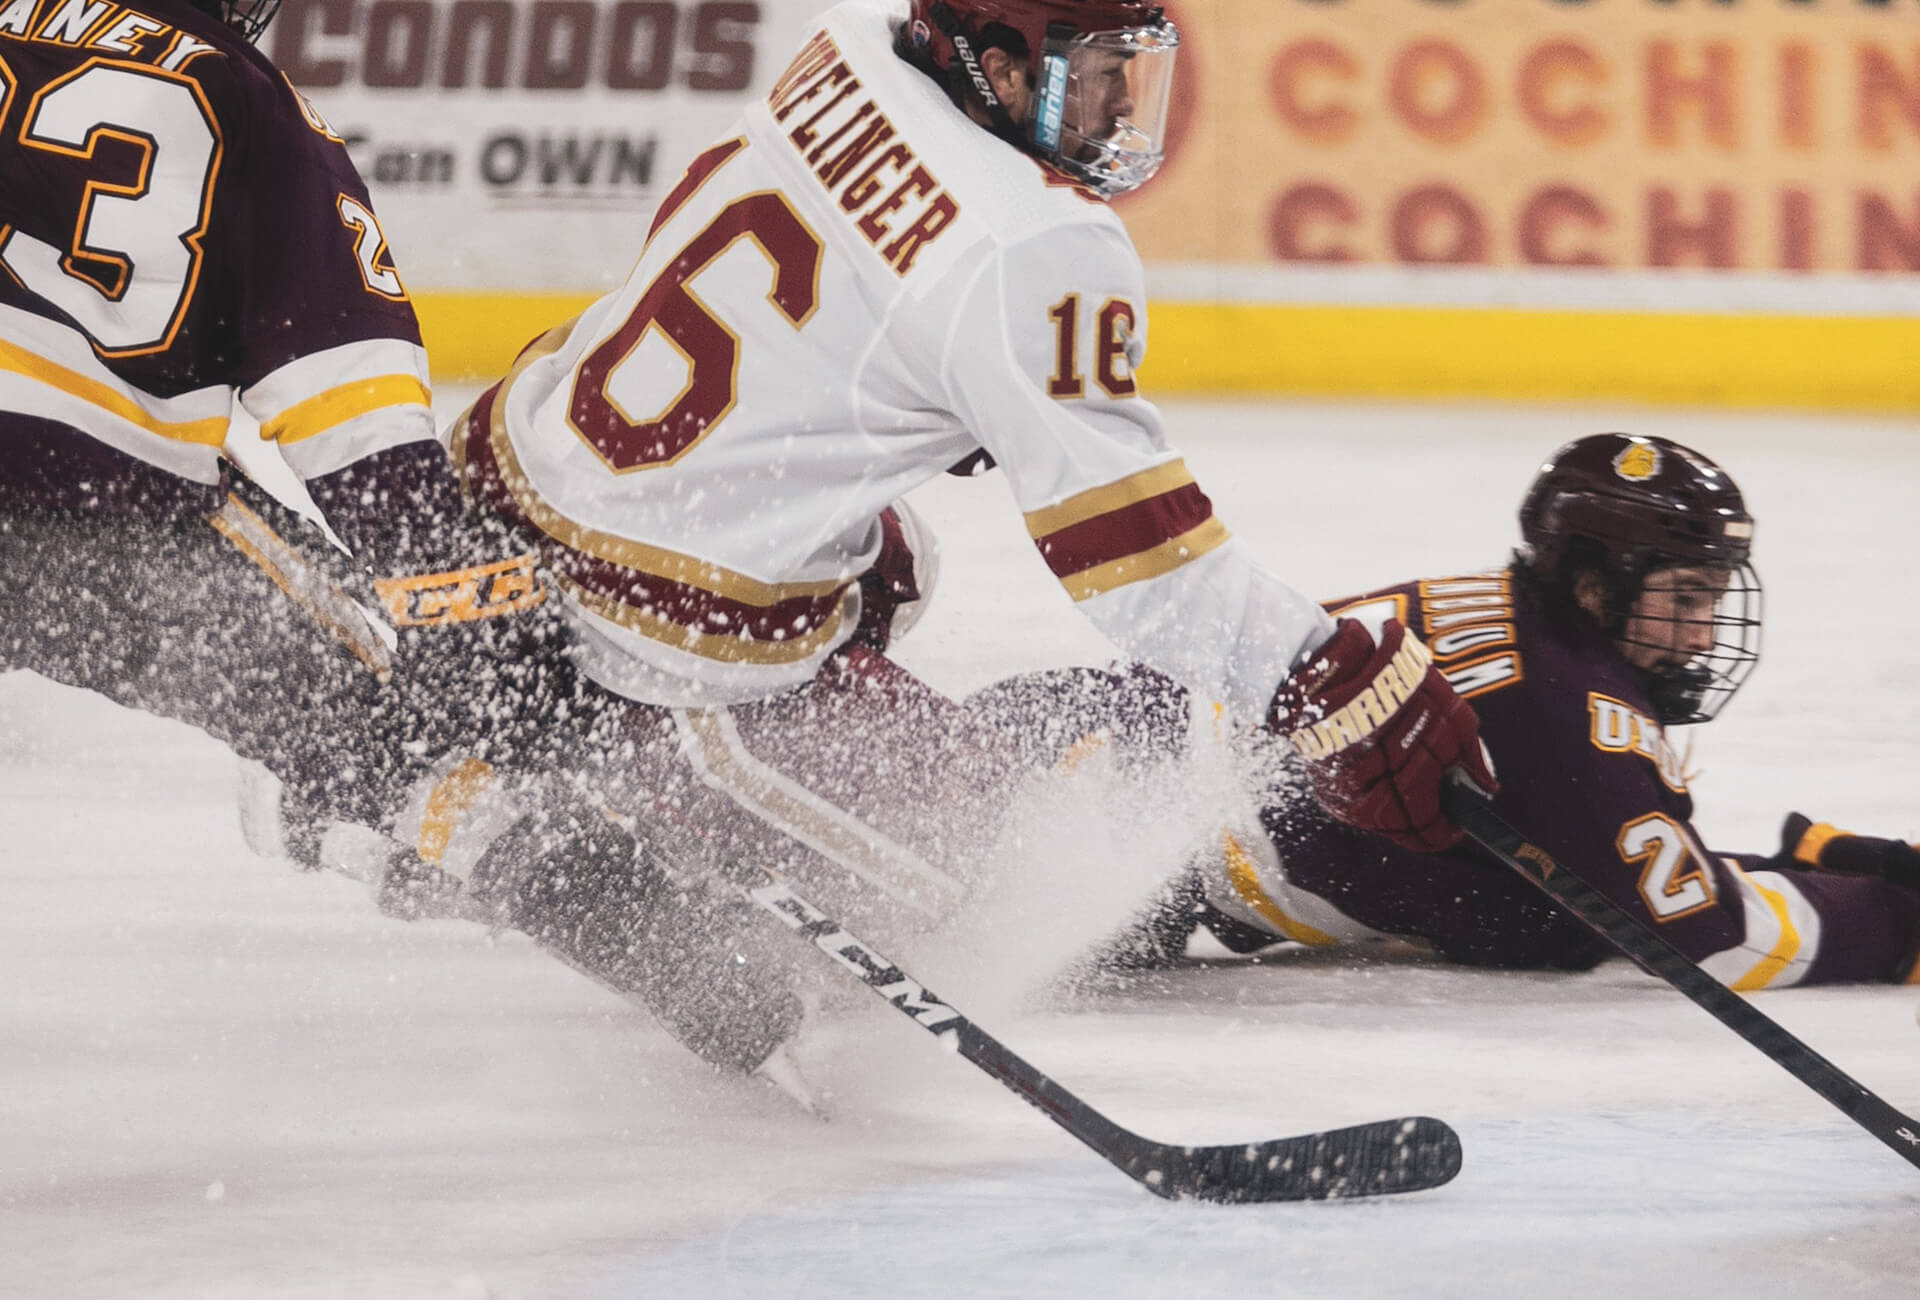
[(1768, 968), (1246, 883)]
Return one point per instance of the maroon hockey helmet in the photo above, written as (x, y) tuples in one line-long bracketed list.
[(1627, 507), (1100, 71)]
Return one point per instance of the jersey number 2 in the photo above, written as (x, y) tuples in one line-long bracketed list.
[(134, 254), (370, 249), (1675, 883), (711, 350)]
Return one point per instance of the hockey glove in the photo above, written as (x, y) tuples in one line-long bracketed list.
[(481, 664), (480, 657), (1807, 845), (1380, 729), (894, 591)]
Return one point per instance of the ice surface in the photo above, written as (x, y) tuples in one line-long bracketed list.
[(221, 1079)]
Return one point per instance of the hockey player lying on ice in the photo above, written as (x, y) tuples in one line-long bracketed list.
[(1629, 608)]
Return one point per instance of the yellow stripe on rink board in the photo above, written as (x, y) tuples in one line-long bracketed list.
[(1830, 363), (476, 336), (1862, 363)]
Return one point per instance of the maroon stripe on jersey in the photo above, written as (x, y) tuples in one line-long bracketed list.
[(690, 607), (1129, 530)]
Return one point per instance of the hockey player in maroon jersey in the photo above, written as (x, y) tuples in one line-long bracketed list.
[(180, 229), (1630, 607)]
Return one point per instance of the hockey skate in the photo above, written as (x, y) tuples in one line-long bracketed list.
[(676, 944)]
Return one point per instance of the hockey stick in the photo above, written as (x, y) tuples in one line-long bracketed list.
[(1395, 1155), (1471, 811)]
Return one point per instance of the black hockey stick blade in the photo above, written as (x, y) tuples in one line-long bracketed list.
[(1471, 811), (1377, 1159), (1395, 1155)]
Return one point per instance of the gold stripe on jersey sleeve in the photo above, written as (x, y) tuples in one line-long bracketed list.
[(656, 561), (210, 432), (1109, 497), (1246, 883), (1768, 968), (719, 648), (344, 402), (1151, 563)]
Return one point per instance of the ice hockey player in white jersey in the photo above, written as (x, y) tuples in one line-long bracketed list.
[(901, 258)]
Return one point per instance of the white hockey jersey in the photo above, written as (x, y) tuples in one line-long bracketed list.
[(853, 291)]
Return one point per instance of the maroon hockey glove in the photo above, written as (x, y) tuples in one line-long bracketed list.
[(893, 593), (1380, 728), (1809, 845)]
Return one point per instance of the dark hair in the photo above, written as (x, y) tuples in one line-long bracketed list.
[(953, 80)]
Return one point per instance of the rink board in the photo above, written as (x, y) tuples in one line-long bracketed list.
[(1851, 362)]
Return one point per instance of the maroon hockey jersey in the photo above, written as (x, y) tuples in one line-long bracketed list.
[(177, 225), (1589, 775)]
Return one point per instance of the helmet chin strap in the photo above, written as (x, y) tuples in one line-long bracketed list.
[(970, 80), (1676, 692)]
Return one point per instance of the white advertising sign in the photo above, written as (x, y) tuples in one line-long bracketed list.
[(523, 144)]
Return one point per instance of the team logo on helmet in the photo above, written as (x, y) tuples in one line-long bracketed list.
[(1638, 463), (920, 34)]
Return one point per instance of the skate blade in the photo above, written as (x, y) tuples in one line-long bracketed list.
[(782, 1072)]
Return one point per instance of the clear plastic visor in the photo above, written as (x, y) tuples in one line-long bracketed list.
[(1104, 103)]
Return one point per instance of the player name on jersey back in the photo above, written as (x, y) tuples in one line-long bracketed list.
[(1467, 621), (80, 24), (856, 153)]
